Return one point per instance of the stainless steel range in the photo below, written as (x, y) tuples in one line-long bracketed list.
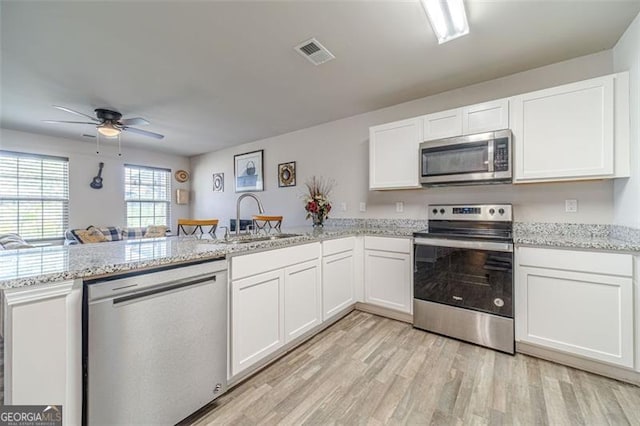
[(463, 274)]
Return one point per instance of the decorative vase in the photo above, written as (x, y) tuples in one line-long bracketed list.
[(317, 220)]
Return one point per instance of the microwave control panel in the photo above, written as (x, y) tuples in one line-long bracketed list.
[(501, 159)]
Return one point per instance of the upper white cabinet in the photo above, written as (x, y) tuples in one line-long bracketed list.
[(388, 273), (443, 124), (393, 154), (574, 131), (576, 302), (485, 117), (338, 276)]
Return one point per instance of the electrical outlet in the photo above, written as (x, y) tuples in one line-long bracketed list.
[(343, 206), (571, 206), (399, 207), (363, 206)]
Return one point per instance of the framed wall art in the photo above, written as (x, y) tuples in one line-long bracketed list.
[(287, 174), (218, 182), (248, 171)]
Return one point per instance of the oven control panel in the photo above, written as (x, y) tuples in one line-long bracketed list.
[(479, 212)]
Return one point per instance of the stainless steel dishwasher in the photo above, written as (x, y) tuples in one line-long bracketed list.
[(154, 344)]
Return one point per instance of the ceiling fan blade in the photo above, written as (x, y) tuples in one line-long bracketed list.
[(76, 113), (135, 121), (143, 132), (68, 122)]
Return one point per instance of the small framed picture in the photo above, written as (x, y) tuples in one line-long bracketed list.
[(248, 171), (218, 182), (287, 174)]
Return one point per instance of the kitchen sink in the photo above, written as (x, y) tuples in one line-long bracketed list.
[(256, 239)]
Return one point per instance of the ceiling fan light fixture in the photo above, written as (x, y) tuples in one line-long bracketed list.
[(109, 130), (447, 17)]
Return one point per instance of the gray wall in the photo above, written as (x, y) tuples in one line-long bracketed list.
[(626, 56), (89, 206), (339, 149)]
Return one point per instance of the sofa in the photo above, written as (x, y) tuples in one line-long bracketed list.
[(94, 234)]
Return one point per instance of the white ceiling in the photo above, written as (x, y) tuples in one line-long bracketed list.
[(213, 74)]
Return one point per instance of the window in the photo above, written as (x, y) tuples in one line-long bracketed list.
[(34, 195), (147, 192)]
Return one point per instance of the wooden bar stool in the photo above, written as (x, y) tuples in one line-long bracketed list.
[(267, 223), (197, 225)]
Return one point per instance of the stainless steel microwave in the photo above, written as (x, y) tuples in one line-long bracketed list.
[(463, 160)]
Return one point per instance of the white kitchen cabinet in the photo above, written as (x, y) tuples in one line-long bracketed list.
[(574, 131), (388, 273), (338, 276), (276, 296), (485, 117), (302, 299), (443, 124), (580, 303), (43, 347), (393, 154), (257, 317)]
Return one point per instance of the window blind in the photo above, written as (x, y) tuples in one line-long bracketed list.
[(148, 195), (34, 195)]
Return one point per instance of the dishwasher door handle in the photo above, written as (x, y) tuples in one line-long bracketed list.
[(174, 285)]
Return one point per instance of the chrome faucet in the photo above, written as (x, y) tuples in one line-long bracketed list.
[(240, 198)]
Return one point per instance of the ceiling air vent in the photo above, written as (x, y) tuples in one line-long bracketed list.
[(315, 52)]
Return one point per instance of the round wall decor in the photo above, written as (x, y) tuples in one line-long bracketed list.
[(182, 176)]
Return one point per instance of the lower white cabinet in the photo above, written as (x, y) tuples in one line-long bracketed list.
[(338, 276), (577, 302), (302, 299), (257, 318), (43, 347), (276, 296), (388, 273)]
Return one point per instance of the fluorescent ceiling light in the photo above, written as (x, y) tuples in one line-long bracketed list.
[(448, 18)]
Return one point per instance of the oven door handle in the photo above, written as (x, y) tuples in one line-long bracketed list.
[(474, 245)]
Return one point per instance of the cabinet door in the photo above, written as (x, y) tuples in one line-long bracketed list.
[(43, 347), (584, 314), (388, 280), (338, 283), (565, 133), (393, 154), (257, 321), (485, 117), (444, 124), (302, 299)]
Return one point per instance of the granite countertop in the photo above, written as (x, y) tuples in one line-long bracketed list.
[(41, 265), (578, 236)]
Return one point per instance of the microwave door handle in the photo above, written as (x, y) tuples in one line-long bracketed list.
[(491, 155)]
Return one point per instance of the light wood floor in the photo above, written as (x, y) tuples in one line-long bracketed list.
[(371, 370)]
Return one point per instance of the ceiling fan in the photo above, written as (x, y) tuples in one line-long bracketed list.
[(109, 123)]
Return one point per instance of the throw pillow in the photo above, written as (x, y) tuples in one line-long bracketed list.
[(89, 235), (132, 233), (13, 241), (156, 231), (112, 233)]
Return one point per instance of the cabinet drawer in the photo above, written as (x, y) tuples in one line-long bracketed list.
[(580, 261), (256, 263), (398, 245), (339, 245)]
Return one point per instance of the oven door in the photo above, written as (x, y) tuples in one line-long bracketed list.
[(475, 275)]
